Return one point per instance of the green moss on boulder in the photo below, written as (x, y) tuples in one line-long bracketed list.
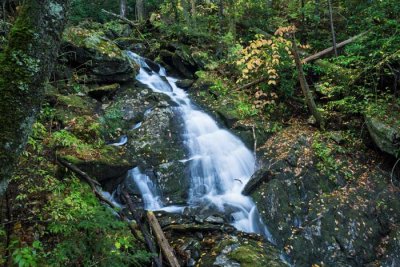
[(101, 57)]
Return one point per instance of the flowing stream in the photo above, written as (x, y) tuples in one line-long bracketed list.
[(220, 164)]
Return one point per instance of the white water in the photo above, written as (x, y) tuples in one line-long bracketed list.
[(151, 200), (220, 164)]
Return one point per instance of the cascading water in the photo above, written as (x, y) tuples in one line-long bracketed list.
[(220, 164)]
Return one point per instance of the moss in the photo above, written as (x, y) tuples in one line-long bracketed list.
[(69, 107), (94, 40), (73, 101), (248, 256)]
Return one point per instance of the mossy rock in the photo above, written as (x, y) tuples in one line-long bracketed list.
[(243, 251), (309, 212), (383, 124), (99, 92), (115, 29), (102, 58), (69, 107), (104, 163), (256, 255)]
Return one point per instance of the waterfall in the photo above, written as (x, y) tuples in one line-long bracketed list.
[(220, 164)]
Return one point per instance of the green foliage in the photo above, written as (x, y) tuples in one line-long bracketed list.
[(111, 121), (326, 161), (245, 109), (64, 138), (28, 256), (74, 211), (68, 224), (219, 88)]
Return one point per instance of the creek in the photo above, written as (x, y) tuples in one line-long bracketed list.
[(220, 164)]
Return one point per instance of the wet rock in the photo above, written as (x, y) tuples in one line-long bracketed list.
[(154, 140), (153, 65), (260, 176), (337, 136), (172, 180), (214, 219), (385, 135), (184, 84)]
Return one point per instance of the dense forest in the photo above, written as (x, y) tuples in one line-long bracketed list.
[(199, 133)]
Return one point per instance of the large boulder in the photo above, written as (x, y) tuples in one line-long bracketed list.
[(322, 206), (180, 58), (386, 135), (102, 60)]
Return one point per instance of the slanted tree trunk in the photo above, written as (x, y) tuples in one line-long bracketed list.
[(332, 28), (139, 10), (305, 88), (24, 67), (122, 8)]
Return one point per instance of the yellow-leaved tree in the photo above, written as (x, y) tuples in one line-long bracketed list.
[(266, 58)]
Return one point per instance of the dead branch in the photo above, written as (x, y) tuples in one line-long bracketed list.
[(260, 80), (331, 49), (146, 234), (162, 240), (130, 22)]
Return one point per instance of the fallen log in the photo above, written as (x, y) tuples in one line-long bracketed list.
[(130, 22), (248, 85), (196, 227), (162, 240), (331, 49), (146, 234)]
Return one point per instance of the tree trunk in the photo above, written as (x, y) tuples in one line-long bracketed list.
[(317, 15), (24, 67), (221, 15), (193, 12), (332, 28), (139, 10), (122, 8), (305, 88), (303, 22), (232, 18), (174, 4), (185, 10)]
